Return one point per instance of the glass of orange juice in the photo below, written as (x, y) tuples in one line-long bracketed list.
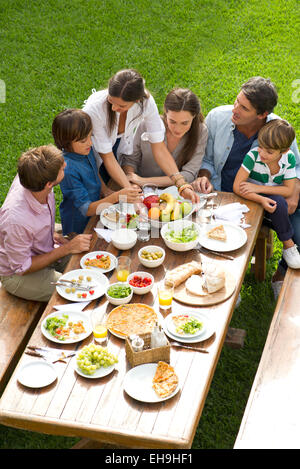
[(123, 268), (99, 326), (165, 295)]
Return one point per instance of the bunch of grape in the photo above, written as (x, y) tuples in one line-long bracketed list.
[(91, 357)]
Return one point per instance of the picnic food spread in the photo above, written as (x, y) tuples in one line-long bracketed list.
[(61, 329), (101, 261), (166, 207), (165, 380), (134, 318)]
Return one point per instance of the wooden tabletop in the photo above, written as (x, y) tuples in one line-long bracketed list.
[(100, 409)]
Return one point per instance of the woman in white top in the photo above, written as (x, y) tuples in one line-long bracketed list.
[(116, 113), (185, 137)]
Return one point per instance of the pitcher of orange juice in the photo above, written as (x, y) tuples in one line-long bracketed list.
[(123, 268)]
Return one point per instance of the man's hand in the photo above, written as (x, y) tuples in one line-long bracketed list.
[(202, 185), (79, 244)]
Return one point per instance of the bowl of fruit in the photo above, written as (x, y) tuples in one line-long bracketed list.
[(151, 256), (165, 207), (141, 282)]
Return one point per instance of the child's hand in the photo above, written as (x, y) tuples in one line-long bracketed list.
[(269, 204), (248, 188), (134, 194)]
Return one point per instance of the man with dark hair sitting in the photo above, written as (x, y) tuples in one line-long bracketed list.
[(32, 255), (232, 132)]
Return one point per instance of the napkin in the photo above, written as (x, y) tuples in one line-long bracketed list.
[(73, 306), (106, 234), (233, 213)]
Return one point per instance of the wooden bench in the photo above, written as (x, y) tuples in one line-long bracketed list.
[(272, 417), (18, 319)]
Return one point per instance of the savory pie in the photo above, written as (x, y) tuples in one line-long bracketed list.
[(182, 272), (133, 318), (218, 233), (165, 380)]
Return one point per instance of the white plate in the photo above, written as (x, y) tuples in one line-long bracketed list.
[(92, 255), (73, 316), (97, 278), (37, 374), (129, 208), (172, 328), (209, 330), (236, 238), (138, 384), (100, 373)]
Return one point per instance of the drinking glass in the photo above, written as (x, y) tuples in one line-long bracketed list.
[(99, 326), (123, 268), (165, 295)]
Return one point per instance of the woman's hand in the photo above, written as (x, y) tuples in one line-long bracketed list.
[(190, 195), (133, 194), (202, 185), (135, 179)]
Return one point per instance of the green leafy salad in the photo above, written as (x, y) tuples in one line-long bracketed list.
[(54, 325), (185, 235), (190, 327), (119, 291)]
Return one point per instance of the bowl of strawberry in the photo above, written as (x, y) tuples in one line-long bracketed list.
[(141, 282)]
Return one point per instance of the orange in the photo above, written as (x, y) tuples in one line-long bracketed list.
[(154, 213)]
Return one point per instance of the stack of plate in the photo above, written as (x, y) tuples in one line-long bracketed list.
[(204, 333)]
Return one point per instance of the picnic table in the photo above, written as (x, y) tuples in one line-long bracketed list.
[(100, 411)]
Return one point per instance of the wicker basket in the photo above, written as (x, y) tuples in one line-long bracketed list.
[(147, 355)]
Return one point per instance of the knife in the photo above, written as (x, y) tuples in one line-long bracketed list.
[(220, 254), (48, 354)]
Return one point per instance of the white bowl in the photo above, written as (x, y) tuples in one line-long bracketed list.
[(177, 226), (124, 238), (141, 290), (154, 263), (119, 301)]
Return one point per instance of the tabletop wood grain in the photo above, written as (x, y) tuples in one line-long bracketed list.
[(100, 409)]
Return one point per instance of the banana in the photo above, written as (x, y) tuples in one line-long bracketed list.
[(176, 213), (170, 203)]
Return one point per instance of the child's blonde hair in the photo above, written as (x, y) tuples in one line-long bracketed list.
[(277, 134)]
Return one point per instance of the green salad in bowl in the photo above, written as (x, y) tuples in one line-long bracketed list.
[(180, 235)]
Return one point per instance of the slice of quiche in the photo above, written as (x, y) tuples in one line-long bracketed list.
[(218, 233)]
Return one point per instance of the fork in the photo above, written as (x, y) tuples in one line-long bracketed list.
[(177, 344)]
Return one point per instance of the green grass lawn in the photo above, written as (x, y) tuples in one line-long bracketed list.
[(54, 53)]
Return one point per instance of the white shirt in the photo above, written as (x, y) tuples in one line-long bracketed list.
[(96, 107)]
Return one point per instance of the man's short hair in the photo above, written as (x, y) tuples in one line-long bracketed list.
[(261, 93), (38, 166)]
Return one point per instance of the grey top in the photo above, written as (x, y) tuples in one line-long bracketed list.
[(144, 164)]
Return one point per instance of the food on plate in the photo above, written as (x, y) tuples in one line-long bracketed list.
[(218, 233), (92, 357), (186, 324), (114, 216), (151, 255), (140, 282), (134, 318), (101, 261), (119, 291), (182, 272), (79, 282), (166, 208), (184, 235), (165, 380), (61, 329), (214, 278)]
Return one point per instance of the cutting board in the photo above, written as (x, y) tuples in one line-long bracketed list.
[(184, 296)]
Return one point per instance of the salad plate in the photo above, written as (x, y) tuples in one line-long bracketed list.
[(193, 326), (95, 283), (207, 333), (54, 325), (95, 258)]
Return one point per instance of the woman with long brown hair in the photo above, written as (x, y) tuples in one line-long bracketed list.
[(116, 114), (185, 137)]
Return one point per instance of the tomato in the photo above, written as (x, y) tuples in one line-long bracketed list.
[(91, 292), (140, 282), (84, 295)]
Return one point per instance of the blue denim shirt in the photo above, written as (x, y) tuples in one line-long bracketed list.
[(220, 140), (80, 186)]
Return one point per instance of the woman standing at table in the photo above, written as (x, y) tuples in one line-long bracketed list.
[(116, 113), (185, 137)]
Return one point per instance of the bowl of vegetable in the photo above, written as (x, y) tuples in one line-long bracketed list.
[(151, 256), (124, 238), (180, 235), (119, 293), (141, 282)]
